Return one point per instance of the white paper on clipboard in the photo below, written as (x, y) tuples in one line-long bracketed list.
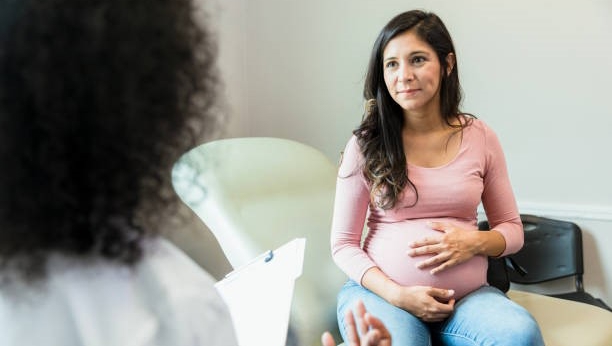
[(259, 294)]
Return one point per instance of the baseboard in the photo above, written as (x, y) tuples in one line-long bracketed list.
[(564, 211)]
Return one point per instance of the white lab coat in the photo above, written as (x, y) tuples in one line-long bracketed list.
[(165, 300)]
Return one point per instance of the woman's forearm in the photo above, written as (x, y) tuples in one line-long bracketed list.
[(491, 243), (378, 282)]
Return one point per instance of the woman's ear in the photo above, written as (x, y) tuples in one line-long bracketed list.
[(450, 63)]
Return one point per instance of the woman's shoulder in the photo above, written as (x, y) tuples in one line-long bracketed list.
[(479, 128), (162, 263), (168, 265), (190, 302), (472, 122), (352, 143), (351, 158), (163, 276)]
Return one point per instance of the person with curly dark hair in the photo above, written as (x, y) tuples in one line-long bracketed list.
[(416, 170), (98, 99)]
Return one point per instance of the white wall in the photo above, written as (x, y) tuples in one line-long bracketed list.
[(538, 72), (227, 18)]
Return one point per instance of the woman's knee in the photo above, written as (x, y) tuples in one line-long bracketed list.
[(518, 324), (523, 328), (488, 317)]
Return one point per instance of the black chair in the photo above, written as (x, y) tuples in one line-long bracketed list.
[(552, 250)]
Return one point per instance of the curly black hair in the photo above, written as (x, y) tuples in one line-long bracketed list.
[(98, 99)]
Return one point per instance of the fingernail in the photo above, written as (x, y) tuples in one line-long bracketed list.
[(451, 292)]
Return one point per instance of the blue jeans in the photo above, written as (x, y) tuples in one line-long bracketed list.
[(485, 317)]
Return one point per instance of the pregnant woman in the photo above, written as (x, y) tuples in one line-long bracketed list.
[(416, 170)]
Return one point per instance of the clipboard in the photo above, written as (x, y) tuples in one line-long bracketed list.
[(259, 294)]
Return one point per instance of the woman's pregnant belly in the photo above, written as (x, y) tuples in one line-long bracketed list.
[(388, 247)]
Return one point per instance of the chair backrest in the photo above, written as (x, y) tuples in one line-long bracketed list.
[(552, 250), (258, 193)]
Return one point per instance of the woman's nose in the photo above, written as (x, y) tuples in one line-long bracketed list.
[(406, 73)]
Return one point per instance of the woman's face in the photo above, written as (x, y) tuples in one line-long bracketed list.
[(412, 73)]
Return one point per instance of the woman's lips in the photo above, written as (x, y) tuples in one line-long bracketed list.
[(408, 92)]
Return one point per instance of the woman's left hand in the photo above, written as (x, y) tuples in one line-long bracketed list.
[(454, 245)]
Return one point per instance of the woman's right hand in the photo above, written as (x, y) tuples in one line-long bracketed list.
[(426, 303)]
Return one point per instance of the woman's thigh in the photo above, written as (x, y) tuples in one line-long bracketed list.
[(487, 317), (405, 329)]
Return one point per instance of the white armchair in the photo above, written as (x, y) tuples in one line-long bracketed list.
[(256, 194)]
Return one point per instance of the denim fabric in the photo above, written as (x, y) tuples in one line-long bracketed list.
[(485, 317)]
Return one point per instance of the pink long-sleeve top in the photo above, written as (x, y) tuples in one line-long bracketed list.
[(449, 193)]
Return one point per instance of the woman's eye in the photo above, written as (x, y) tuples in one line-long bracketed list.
[(390, 64), (418, 60)]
